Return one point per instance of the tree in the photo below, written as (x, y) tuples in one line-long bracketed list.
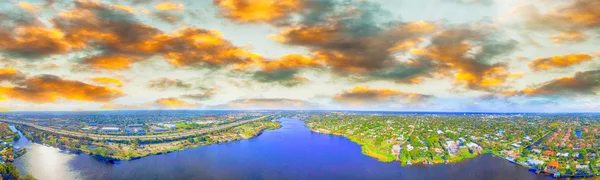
[(12, 171), (28, 177)]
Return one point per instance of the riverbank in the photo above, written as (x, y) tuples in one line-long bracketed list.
[(373, 152), (112, 151)]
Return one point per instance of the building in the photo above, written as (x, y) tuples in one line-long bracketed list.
[(110, 129), (474, 147), (552, 167), (396, 149), (158, 129), (452, 147), (170, 126)]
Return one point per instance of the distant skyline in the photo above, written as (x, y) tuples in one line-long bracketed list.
[(427, 55)]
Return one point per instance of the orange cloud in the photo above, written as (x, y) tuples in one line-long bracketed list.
[(581, 84), (49, 88), (337, 47), (28, 7), (290, 61), (174, 103), (363, 95), (574, 16), (169, 6), (8, 73), (456, 53), (259, 10), (33, 42), (559, 61), (107, 80), (568, 38)]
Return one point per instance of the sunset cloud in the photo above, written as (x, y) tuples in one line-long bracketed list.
[(162, 103), (583, 83), (466, 54), (174, 103), (108, 81), (557, 62), (166, 83), (208, 94), (50, 88), (259, 10), (572, 16), (169, 7), (568, 38), (363, 95)]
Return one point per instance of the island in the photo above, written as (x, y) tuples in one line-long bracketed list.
[(562, 145), (112, 139)]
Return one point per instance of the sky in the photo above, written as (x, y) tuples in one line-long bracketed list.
[(402, 55)]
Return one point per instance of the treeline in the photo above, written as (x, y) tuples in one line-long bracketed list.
[(10, 172)]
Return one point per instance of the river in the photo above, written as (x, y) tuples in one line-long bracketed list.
[(291, 152)]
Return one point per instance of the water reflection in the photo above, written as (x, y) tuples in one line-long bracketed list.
[(291, 152), (44, 162)]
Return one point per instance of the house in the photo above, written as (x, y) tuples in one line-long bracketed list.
[(552, 167), (534, 162), (537, 151), (474, 147), (452, 147), (565, 154), (396, 149), (170, 126), (548, 153), (110, 129), (409, 147), (158, 129)]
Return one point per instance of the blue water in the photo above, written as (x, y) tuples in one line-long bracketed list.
[(291, 152)]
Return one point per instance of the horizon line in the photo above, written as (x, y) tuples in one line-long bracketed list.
[(333, 110)]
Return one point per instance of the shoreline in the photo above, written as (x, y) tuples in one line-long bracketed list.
[(139, 155), (384, 158)]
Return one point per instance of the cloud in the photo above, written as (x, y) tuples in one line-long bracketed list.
[(573, 16), (108, 81), (169, 7), (116, 39), (167, 17), (29, 41), (208, 94), (33, 8), (166, 83), (285, 70), (49, 88), (583, 83), (569, 38), (266, 103), (556, 62), (468, 55), (162, 103), (364, 95), (252, 11), (174, 103), (10, 74)]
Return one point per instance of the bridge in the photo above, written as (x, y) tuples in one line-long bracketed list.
[(105, 137)]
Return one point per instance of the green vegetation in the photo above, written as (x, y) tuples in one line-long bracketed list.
[(569, 144), (136, 148), (10, 171)]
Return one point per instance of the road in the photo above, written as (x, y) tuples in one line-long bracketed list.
[(100, 137)]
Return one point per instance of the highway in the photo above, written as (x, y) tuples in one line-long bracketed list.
[(103, 137)]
